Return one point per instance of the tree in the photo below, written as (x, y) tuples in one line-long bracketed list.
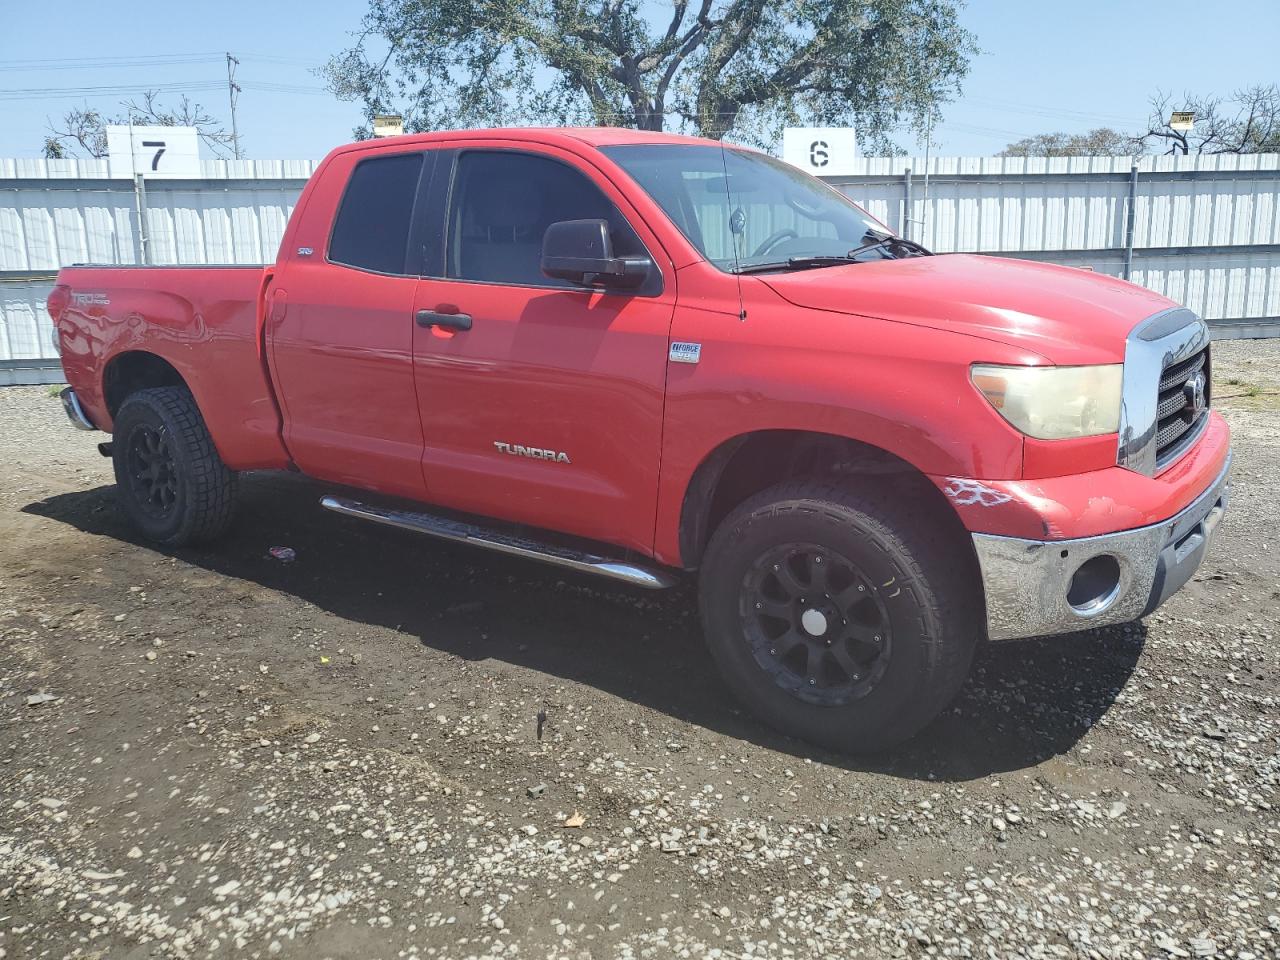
[(83, 131), (1246, 122), (716, 67), (1102, 142)]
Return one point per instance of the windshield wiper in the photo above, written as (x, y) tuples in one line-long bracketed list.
[(830, 260), (796, 263), (891, 242)]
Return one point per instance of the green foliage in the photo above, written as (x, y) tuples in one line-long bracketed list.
[(738, 68), (1102, 142)]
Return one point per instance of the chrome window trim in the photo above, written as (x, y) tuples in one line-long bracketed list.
[(1155, 344)]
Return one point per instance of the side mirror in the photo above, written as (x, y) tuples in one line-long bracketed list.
[(581, 252)]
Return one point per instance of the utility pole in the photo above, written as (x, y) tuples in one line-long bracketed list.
[(233, 93), (924, 204)]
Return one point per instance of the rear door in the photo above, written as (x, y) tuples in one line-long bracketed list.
[(340, 326), (547, 408)]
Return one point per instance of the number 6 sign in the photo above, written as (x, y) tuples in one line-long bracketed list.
[(155, 152)]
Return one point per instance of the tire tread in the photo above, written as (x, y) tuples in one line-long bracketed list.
[(210, 485)]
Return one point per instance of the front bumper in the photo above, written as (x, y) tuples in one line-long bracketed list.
[(1037, 587), (75, 412)]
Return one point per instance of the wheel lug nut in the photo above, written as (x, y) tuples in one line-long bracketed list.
[(773, 652), (861, 588), (759, 605), (813, 683), (876, 638)]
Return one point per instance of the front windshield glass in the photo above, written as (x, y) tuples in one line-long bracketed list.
[(743, 209)]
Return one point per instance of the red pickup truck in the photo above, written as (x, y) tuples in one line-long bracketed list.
[(646, 356)]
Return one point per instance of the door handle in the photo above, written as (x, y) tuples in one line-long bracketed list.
[(450, 321)]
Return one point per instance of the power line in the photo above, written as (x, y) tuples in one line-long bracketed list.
[(86, 63), (53, 93)]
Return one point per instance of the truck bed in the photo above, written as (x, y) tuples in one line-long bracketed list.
[(205, 322)]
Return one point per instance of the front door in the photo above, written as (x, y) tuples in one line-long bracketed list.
[(541, 402)]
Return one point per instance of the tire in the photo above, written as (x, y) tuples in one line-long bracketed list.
[(171, 482), (878, 641)]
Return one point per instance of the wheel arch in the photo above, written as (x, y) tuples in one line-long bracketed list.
[(743, 465), (133, 370)]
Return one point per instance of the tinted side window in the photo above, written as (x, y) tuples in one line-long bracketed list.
[(372, 227), (503, 203)]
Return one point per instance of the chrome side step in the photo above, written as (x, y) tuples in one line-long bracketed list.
[(433, 526)]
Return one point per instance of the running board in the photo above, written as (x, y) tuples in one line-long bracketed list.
[(446, 529)]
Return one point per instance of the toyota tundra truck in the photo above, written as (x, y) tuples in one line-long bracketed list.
[(648, 358)]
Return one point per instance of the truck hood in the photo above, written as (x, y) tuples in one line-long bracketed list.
[(1064, 314)]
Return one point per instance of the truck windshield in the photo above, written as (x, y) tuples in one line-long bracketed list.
[(747, 212)]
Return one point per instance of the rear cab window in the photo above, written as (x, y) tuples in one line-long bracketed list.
[(371, 230)]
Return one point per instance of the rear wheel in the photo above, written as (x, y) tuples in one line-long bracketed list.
[(172, 484), (840, 615)]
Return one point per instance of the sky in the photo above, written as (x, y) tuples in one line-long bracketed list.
[(1044, 66)]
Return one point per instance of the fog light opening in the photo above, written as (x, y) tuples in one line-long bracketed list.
[(1095, 586)]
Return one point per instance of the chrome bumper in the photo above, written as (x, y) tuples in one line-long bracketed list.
[(75, 412), (1027, 582)]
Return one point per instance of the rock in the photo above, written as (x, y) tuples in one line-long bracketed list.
[(1169, 945), (36, 699), (100, 875), (51, 803), (149, 655), (536, 790), (1117, 809), (1214, 731), (134, 853), (226, 889)]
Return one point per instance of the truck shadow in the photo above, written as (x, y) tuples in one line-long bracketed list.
[(1024, 702)]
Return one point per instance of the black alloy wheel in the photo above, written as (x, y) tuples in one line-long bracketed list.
[(816, 624), (151, 470)]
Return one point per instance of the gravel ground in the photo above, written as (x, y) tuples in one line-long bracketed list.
[(213, 753)]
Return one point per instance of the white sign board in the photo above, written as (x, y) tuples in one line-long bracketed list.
[(154, 152), (822, 151)]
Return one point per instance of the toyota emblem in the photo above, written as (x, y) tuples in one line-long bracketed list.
[(1195, 391)]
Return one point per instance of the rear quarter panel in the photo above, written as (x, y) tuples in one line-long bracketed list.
[(203, 320)]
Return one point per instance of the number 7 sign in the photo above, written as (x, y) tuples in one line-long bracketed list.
[(154, 152)]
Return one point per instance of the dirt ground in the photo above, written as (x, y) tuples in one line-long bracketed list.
[(213, 753)]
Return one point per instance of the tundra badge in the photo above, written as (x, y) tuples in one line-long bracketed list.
[(685, 352), (537, 453)]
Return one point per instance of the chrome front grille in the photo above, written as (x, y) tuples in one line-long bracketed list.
[(1165, 398), (1183, 407)]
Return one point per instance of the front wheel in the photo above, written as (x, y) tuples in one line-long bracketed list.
[(172, 484), (838, 615)]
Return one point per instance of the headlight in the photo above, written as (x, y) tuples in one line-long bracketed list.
[(1053, 403)]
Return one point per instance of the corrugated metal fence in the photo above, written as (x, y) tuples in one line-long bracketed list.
[(56, 212), (1202, 230)]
